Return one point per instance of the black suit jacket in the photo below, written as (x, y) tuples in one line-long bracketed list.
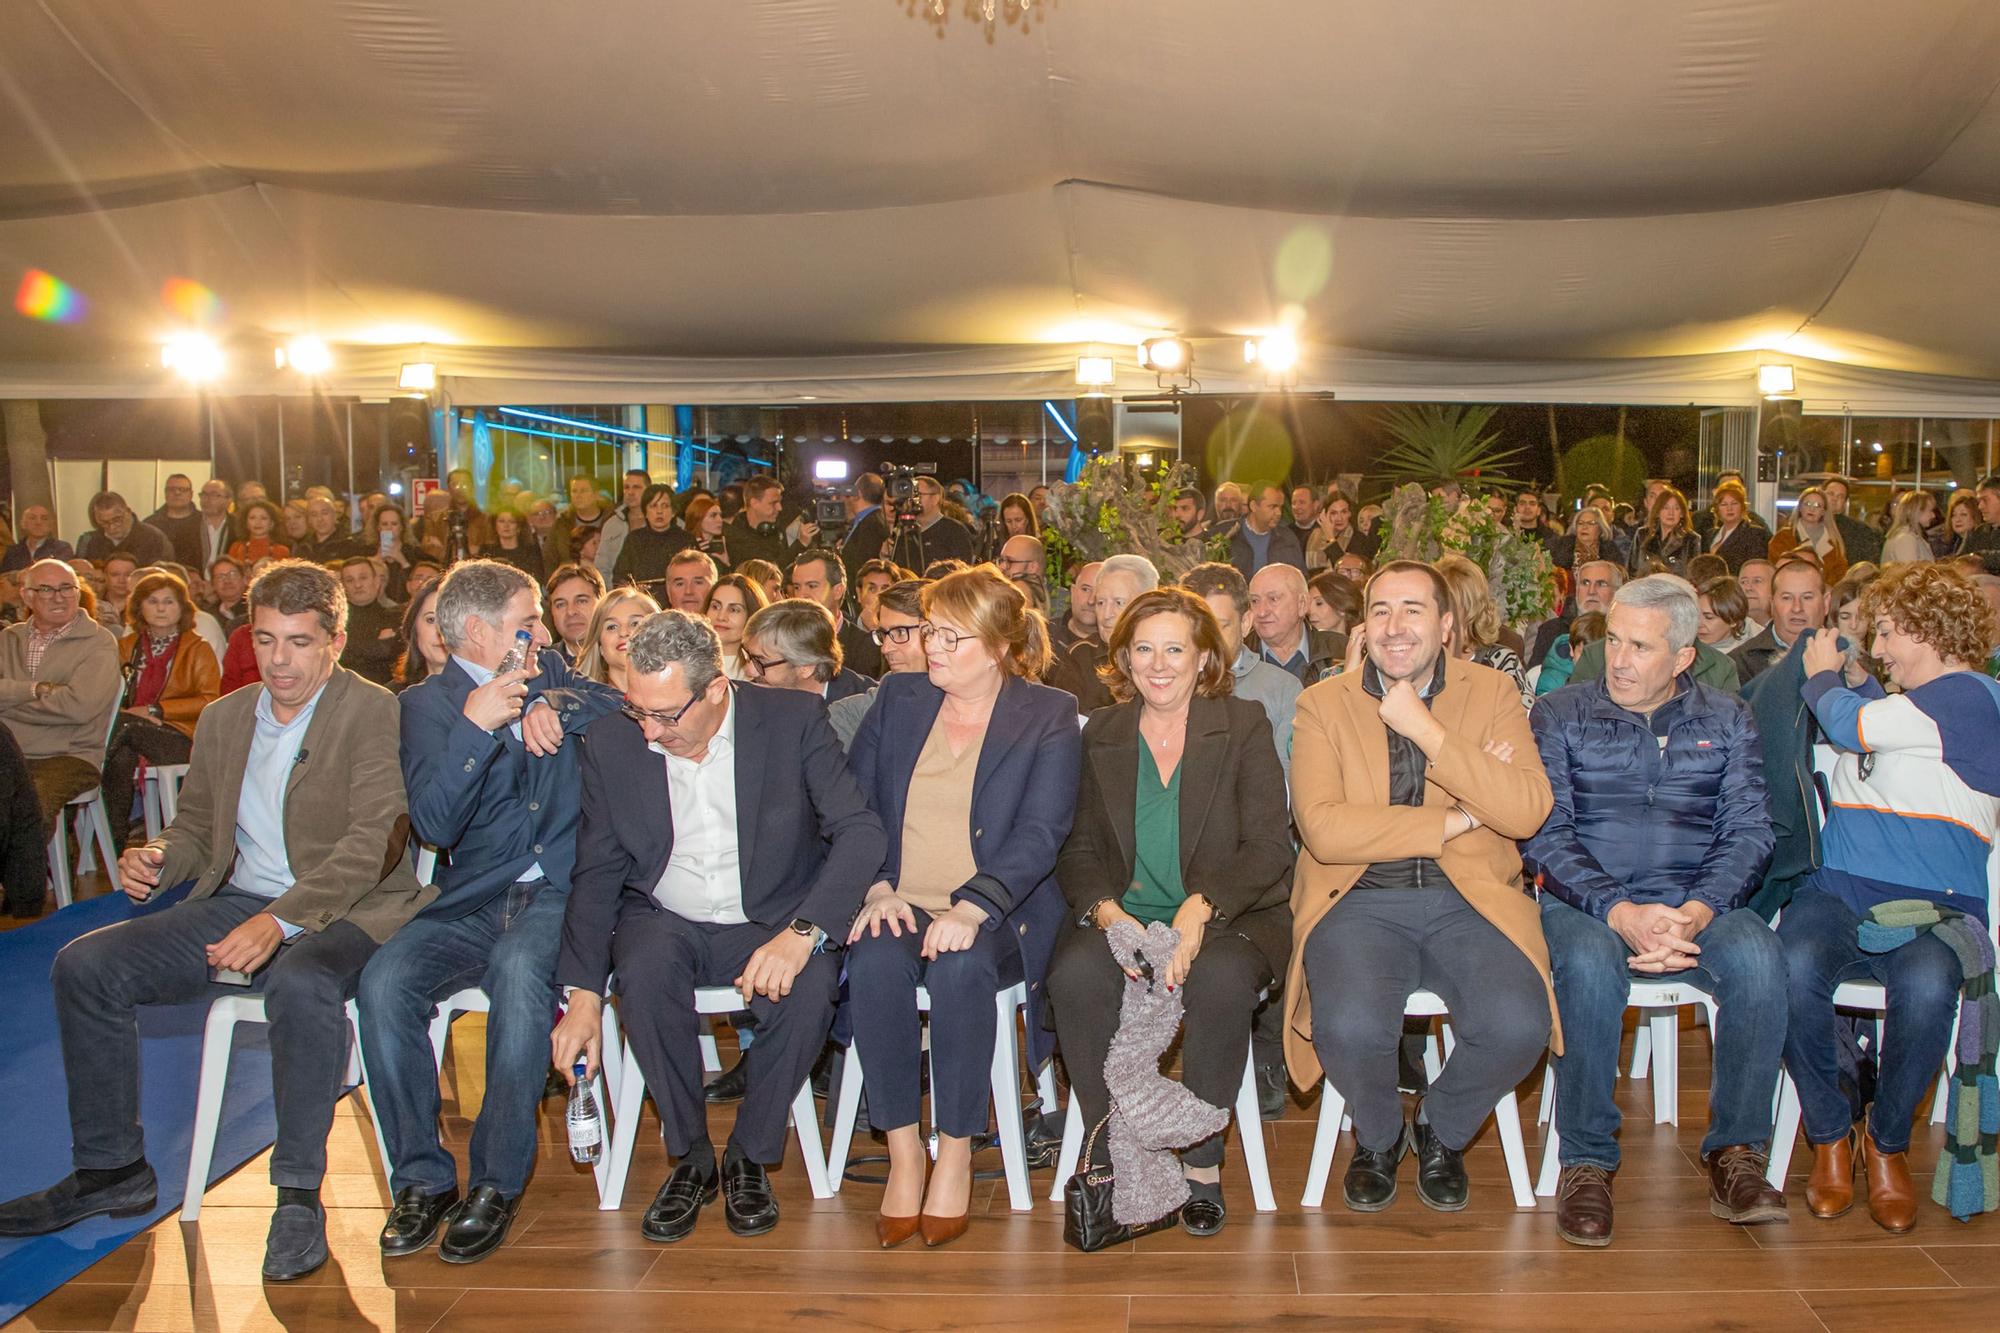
[(847, 684), (810, 846), (1236, 845), (1748, 542)]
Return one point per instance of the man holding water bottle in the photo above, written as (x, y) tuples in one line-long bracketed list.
[(291, 831), (495, 791)]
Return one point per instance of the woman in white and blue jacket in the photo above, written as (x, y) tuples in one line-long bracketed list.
[(1913, 804)]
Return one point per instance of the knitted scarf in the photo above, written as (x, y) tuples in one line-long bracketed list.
[(1968, 1174), (1151, 1114)]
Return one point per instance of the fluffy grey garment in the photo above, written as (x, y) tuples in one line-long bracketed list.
[(1151, 1114)]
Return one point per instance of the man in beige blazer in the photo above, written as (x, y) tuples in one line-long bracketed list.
[(1412, 775), (293, 832)]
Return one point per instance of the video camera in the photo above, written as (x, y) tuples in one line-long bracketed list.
[(900, 491)]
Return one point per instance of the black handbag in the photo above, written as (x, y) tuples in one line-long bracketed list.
[(1087, 1221)]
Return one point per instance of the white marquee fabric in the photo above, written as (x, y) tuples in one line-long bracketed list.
[(763, 200)]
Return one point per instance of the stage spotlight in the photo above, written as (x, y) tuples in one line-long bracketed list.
[(1278, 353), (308, 356), (194, 357), (1166, 356), (1096, 372), (1776, 381), (421, 375)]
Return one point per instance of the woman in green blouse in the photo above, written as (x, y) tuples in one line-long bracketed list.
[(1182, 818)]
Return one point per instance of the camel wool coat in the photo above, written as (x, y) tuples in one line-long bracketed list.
[(1340, 803)]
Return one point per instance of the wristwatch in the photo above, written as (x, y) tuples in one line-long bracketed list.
[(802, 927)]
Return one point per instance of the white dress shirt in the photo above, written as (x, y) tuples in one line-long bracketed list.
[(703, 880), (262, 865)]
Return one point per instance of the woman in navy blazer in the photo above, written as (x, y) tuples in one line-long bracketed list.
[(973, 770)]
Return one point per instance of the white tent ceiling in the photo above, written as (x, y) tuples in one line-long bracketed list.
[(758, 200)]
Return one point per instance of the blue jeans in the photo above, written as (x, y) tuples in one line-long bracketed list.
[(507, 948), (1922, 981), (1741, 965)]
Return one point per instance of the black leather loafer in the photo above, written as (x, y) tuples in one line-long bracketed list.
[(1203, 1213), (414, 1220), (478, 1227), (747, 1203), (1370, 1185), (1441, 1182), (677, 1207), (66, 1203), (729, 1085)]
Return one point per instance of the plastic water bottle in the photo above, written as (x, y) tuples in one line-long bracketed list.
[(586, 1124), (517, 656)]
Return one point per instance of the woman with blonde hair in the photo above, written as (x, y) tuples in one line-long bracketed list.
[(612, 625), (1908, 542), (972, 767), (1475, 631), (1812, 529), (767, 576)]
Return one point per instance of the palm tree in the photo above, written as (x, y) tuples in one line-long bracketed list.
[(1437, 443)]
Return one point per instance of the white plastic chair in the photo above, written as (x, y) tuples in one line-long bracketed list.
[(217, 1037), (1249, 1128), (90, 817), (1011, 1002), (628, 1095), (160, 797), (1659, 1003), (1333, 1119)]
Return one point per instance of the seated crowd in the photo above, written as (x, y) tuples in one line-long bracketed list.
[(1757, 765)]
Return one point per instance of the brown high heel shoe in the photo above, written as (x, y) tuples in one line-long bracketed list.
[(1892, 1198), (943, 1230), (893, 1231), (1830, 1188)]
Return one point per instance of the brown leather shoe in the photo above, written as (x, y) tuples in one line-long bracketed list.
[(1892, 1199), (1737, 1190), (1583, 1206), (1830, 1188), (893, 1231), (942, 1230)]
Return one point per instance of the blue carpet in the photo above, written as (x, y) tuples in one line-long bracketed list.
[(35, 1096)]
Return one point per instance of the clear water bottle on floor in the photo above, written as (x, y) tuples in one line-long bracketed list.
[(517, 656), (585, 1121)]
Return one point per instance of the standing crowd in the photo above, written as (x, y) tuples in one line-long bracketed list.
[(681, 741)]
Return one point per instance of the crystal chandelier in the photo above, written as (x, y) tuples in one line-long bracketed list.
[(988, 12)]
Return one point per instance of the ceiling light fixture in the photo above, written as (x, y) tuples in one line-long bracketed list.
[(1166, 356), (1776, 381), (419, 375), (308, 356), (1096, 372), (195, 357)]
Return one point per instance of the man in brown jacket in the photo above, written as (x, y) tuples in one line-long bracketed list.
[(293, 833), (1411, 778), (59, 683)]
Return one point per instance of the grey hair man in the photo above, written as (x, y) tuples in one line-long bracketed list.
[(792, 645), (663, 896), (493, 787)]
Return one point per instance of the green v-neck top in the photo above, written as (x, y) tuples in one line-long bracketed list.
[(1156, 892)]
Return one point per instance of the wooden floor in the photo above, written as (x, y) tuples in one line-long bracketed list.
[(568, 1266)]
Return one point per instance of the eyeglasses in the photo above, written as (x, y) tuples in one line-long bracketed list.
[(1011, 566), (897, 634), (761, 665), (665, 719), (52, 589), (950, 638)]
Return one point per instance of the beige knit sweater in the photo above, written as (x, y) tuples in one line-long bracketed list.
[(71, 719)]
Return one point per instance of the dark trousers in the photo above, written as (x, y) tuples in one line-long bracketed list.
[(136, 739), (1363, 961), (102, 978), (1741, 966), (1921, 980), (660, 958), (58, 781), (507, 948), (1086, 988), (883, 973)]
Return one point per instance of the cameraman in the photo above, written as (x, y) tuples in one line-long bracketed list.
[(930, 534), (755, 534)]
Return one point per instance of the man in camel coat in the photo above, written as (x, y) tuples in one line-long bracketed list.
[(1412, 776)]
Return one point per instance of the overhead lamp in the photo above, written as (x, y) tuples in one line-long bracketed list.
[(1776, 381), (419, 375), (1096, 372), (195, 357), (1166, 356), (308, 356)]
